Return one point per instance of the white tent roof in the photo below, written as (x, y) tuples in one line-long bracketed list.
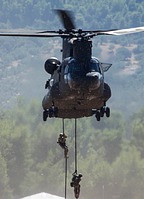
[(43, 196)]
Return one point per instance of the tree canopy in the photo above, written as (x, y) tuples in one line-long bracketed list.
[(31, 160)]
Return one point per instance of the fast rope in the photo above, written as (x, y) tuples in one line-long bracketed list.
[(76, 177), (62, 142), (75, 145)]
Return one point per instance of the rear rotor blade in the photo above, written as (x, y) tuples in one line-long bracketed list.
[(122, 31), (66, 18)]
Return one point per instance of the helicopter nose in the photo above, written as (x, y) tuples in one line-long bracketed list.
[(93, 75), (90, 81)]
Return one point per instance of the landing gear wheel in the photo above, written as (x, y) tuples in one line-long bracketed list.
[(45, 115), (51, 112), (107, 111), (98, 115), (102, 111)]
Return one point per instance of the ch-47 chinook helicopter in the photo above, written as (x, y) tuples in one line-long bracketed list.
[(76, 87)]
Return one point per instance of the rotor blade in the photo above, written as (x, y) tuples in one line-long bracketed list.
[(32, 35), (30, 31), (122, 31), (97, 31), (21, 30), (66, 18)]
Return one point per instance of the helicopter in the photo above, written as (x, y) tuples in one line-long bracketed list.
[(76, 87)]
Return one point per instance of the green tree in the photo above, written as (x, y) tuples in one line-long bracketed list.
[(138, 131), (5, 190), (128, 175)]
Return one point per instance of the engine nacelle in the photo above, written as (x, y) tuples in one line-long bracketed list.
[(51, 65)]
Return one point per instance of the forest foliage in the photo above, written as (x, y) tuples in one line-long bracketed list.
[(111, 152), (107, 14)]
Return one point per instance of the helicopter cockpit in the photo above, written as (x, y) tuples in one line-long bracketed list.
[(82, 73), (80, 69)]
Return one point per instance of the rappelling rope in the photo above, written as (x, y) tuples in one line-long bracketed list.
[(75, 145), (65, 178), (75, 183), (65, 164), (76, 177), (62, 142)]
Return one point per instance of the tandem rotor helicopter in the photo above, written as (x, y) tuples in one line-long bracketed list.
[(76, 87)]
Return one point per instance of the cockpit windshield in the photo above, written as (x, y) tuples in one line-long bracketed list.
[(94, 66), (81, 69), (75, 67)]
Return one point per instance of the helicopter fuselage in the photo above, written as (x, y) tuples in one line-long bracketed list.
[(77, 88)]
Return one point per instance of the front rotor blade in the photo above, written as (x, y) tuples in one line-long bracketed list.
[(31, 35), (66, 18), (122, 31)]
